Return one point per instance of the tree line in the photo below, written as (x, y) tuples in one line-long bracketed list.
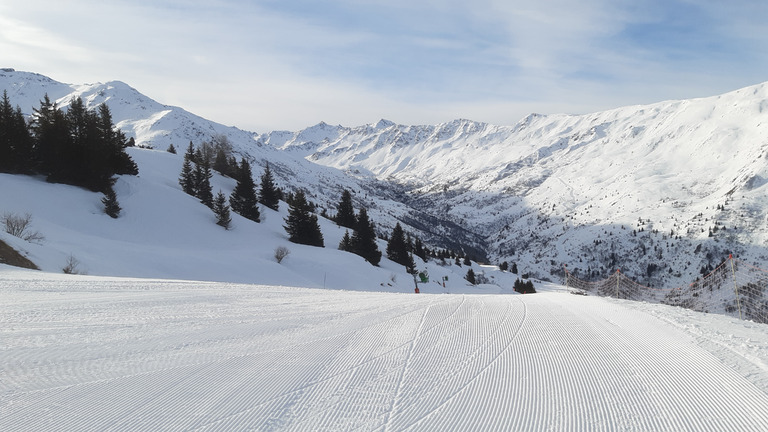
[(197, 170), (78, 147)]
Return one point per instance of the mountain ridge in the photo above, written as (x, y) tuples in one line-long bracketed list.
[(633, 187)]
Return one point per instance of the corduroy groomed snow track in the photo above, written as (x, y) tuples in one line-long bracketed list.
[(97, 354)]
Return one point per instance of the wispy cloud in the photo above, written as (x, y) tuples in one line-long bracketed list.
[(274, 64)]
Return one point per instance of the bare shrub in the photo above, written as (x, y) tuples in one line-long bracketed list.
[(281, 252), (19, 226), (72, 266)]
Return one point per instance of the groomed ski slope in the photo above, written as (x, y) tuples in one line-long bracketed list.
[(82, 353)]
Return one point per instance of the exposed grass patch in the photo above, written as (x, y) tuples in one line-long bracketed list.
[(10, 256)]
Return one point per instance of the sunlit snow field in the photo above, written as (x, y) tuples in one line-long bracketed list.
[(88, 353), (100, 353)]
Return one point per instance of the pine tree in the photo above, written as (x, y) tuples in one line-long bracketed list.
[(418, 249), (470, 277), (81, 147), (221, 210), (301, 225), (243, 199), (187, 177), (6, 142), (345, 213), (171, 149), (397, 249), (49, 130), (113, 141), (524, 287), (203, 189), (364, 239), (190, 153), (268, 194), (16, 143), (346, 243), (111, 206)]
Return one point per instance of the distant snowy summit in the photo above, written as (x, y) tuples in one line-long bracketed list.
[(660, 190)]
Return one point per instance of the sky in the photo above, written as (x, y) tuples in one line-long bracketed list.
[(266, 65)]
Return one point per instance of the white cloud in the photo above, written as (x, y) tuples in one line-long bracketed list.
[(275, 65), (23, 40)]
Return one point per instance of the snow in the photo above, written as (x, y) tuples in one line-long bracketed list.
[(539, 193), (206, 331), (182, 325), (96, 353)]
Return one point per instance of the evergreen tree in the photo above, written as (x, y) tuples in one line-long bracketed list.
[(171, 149), (289, 198), (16, 143), (203, 188), (397, 249), (111, 206), (221, 210), (470, 277), (190, 154), (268, 194), (6, 145), (243, 199), (50, 131), (418, 249), (345, 213), (113, 141), (301, 225), (513, 270), (364, 239), (72, 160), (346, 243), (81, 147), (187, 177), (524, 287), (25, 145)]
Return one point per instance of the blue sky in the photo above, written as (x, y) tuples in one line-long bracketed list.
[(271, 64)]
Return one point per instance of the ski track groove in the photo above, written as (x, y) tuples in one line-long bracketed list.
[(354, 368), (406, 363), (75, 387), (469, 362), (477, 351)]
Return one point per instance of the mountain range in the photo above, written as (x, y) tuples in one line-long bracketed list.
[(661, 191)]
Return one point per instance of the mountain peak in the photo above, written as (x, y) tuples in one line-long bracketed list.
[(383, 124)]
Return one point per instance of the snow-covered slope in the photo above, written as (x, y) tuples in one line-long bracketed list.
[(86, 353), (638, 188), (164, 233), (157, 126), (572, 189)]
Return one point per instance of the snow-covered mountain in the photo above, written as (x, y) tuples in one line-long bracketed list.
[(638, 188), (659, 191)]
